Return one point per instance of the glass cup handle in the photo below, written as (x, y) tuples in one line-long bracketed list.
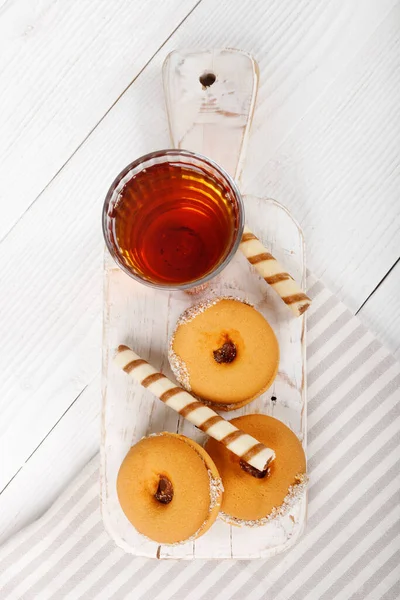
[(210, 98)]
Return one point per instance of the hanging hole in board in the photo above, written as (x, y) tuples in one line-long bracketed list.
[(207, 79)]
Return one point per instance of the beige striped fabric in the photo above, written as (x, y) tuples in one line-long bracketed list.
[(351, 548)]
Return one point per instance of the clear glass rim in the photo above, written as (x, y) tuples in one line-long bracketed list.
[(170, 153)]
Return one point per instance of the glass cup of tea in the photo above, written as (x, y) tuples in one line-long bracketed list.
[(173, 219)]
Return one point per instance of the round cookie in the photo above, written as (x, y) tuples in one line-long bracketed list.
[(225, 352), (169, 488), (251, 500)]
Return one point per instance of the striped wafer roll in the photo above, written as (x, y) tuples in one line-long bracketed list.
[(273, 273), (243, 445)]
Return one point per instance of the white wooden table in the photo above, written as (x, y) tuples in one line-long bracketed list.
[(81, 96)]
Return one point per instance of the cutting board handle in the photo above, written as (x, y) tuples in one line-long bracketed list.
[(210, 98)]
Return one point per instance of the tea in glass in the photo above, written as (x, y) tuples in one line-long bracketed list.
[(173, 219)]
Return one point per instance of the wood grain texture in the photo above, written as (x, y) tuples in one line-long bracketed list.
[(215, 120), (297, 67), (64, 451), (62, 66), (52, 260), (144, 319), (381, 313), (338, 170)]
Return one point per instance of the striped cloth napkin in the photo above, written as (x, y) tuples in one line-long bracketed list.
[(351, 548)]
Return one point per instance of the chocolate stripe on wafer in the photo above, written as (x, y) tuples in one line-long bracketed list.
[(254, 260), (250, 453), (169, 393), (231, 437), (294, 298), (248, 236), (203, 417), (133, 365), (210, 422), (278, 277), (273, 273), (186, 410), (151, 379)]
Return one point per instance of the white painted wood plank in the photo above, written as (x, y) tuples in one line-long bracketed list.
[(300, 47), (67, 448), (338, 170), (62, 66), (304, 52), (381, 312), (51, 276)]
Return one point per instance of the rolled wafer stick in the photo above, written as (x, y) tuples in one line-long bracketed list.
[(273, 273), (243, 445)]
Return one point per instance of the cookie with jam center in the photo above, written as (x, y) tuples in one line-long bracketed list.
[(225, 352), (169, 488), (252, 497)]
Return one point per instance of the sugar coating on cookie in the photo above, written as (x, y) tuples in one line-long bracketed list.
[(225, 352), (169, 488), (252, 501)]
